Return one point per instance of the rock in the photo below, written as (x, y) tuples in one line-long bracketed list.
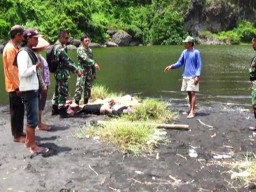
[(202, 16), (111, 44), (93, 45), (122, 38), (71, 47), (76, 42), (111, 32)]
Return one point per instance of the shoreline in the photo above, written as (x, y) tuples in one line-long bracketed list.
[(93, 165)]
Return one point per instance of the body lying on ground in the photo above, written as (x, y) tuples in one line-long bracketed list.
[(116, 106)]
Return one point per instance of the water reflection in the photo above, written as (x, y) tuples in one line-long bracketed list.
[(139, 71)]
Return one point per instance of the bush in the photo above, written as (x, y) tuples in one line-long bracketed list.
[(229, 37), (245, 30)]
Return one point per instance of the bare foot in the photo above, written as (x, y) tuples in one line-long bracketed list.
[(43, 127), (20, 139), (38, 150), (191, 115)]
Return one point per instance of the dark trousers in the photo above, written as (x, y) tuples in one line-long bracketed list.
[(17, 114)]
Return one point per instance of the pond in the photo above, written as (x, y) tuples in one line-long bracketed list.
[(140, 71)]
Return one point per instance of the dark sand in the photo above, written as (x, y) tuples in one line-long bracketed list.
[(91, 165)]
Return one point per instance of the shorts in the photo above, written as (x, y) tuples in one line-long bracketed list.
[(188, 84), (30, 100)]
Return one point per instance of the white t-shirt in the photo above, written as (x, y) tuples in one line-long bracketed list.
[(27, 72)]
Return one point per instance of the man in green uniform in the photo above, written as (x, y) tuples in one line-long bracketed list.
[(89, 66), (252, 71), (62, 74)]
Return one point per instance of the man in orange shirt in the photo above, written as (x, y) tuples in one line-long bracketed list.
[(12, 83)]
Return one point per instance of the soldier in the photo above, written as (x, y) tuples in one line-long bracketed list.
[(252, 71), (89, 66), (62, 75)]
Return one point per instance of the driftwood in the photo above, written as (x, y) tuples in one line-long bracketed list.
[(158, 125)]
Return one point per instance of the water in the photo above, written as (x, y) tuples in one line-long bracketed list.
[(140, 71)]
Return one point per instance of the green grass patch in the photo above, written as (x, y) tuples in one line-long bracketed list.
[(101, 92), (151, 110), (128, 137), (134, 132)]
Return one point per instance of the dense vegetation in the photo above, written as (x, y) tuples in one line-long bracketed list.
[(148, 21)]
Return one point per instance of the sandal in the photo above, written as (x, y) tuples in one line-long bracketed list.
[(39, 150)]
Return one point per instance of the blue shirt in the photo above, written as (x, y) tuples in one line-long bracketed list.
[(191, 59)]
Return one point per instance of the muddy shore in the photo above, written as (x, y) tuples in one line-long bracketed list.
[(190, 161)]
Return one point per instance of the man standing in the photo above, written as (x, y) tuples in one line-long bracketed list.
[(190, 58), (86, 62), (12, 83), (252, 71), (62, 74), (28, 65)]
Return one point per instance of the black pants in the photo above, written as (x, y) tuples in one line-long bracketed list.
[(17, 114)]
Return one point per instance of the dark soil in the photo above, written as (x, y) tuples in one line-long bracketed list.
[(91, 165)]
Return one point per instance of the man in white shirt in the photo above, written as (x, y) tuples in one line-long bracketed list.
[(29, 84)]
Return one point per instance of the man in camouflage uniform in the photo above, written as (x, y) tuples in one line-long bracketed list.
[(89, 66), (62, 75), (253, 80)]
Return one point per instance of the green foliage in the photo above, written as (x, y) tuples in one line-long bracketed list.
[(245, 30), (155, 22), (4, 28), (167, 26), (101, 92), (151, 109), (229, 37), (131, 137)]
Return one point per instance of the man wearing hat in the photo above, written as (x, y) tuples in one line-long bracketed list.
[(190, 58), (28, 65), (12, 83)]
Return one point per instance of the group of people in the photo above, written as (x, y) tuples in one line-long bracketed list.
[(27, 79)]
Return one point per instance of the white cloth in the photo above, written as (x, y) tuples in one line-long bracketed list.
[(27, 72)]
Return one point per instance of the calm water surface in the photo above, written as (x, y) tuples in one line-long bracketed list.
[(140, 71)]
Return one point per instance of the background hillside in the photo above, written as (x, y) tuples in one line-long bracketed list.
[(147, 21)]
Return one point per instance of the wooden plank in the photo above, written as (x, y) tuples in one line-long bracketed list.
[(158, 125)]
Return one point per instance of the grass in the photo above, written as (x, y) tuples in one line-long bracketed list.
[(101, 92), (244, 171), (127, 137), (151, 110), (135, 132)]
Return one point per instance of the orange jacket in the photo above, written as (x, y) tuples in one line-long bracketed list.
[(10, 71)]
